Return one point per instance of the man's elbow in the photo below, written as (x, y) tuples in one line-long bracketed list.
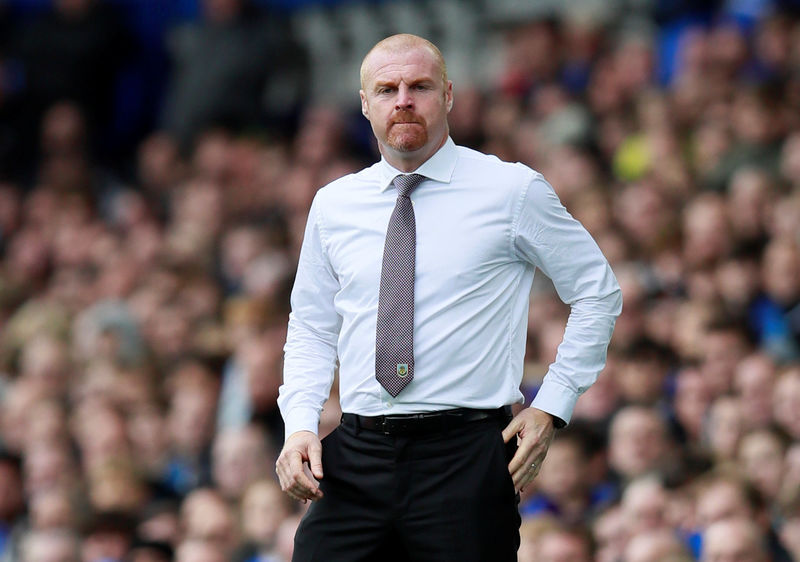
[(615, 301)]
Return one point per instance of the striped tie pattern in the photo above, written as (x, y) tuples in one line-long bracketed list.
[(394, 341)]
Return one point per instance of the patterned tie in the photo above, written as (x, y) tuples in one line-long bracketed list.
[(394, 342)]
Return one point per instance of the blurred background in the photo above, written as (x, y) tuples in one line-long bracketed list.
[(157, 160)]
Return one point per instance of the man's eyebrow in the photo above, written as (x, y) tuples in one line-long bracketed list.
[(378, 84), (387, 82)]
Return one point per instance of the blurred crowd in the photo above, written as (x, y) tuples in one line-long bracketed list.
[(144, 300)]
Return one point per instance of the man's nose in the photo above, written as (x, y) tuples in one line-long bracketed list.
[(404, 98)]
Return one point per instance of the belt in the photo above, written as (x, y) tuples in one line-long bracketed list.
[(426, 422)]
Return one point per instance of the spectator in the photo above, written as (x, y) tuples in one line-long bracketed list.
[(644, 505), (721, 497), (560, 545), (52, 509), (563, 487), (264, 508), (107, 537), (786, 402), (610, 534), (74, 51), (772, 314), (734, 539), (659, 545), (190, 426), (749, 196), (753, 381), (761, 456), (199, 551), (239, 458), (638, 442), (50, 546), (641, 373), (160, 522), (231, 56), (790, 526), (691, 403), (139, 294), (724, 428), (207, 519), (725, 343)]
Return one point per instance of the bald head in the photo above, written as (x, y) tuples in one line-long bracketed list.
[(406, 97), (402, 43)]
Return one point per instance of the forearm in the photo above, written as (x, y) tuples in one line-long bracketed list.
[(581, 355), (309, 361)]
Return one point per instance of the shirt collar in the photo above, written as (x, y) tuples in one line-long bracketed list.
[(438, 167)]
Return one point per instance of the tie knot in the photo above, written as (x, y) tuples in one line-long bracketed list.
[(405, 183)]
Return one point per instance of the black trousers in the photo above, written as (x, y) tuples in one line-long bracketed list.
[(437, 497)]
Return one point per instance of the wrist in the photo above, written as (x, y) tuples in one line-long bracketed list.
[(554, 420)]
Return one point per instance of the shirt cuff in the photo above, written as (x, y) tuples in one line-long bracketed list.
[(557, 400), (301, 419)]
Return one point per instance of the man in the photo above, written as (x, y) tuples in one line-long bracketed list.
[(415, 273), (656, 545), (721, 497), (734, 540), (564, 545), (49, 546), (638, 442)]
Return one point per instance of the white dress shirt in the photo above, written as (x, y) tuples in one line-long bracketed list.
[(483, 226)]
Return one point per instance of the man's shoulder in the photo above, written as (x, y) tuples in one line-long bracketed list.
[(493, 166), (349, 183)]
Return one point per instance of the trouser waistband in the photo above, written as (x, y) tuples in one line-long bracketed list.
[(425, 422)]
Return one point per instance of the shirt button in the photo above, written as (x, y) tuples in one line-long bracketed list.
[(388, 404)]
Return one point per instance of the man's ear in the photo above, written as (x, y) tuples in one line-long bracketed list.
[(448, 95), (364, 107)]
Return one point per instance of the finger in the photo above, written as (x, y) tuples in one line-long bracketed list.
[(299, 481), (511, 430), (518, 474), (520, 477), (524, 456), (302, 494), (305, 495), (302, 498), (526, 474), (529, 464), (305, 488), (315, 460), (316, 493), (283, 475), (284, 468), (526, 479), (295, 496)]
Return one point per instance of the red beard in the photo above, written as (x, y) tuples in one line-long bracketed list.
[(407, 132)]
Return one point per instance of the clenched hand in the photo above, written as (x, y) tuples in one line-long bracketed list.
[(301, 450)]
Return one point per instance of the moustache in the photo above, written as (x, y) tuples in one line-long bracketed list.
[(402, 117)]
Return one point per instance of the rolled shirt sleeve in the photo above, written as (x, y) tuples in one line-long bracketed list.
[(310, 351), (547, 236)]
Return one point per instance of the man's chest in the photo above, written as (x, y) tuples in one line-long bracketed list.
[(457, 239)]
